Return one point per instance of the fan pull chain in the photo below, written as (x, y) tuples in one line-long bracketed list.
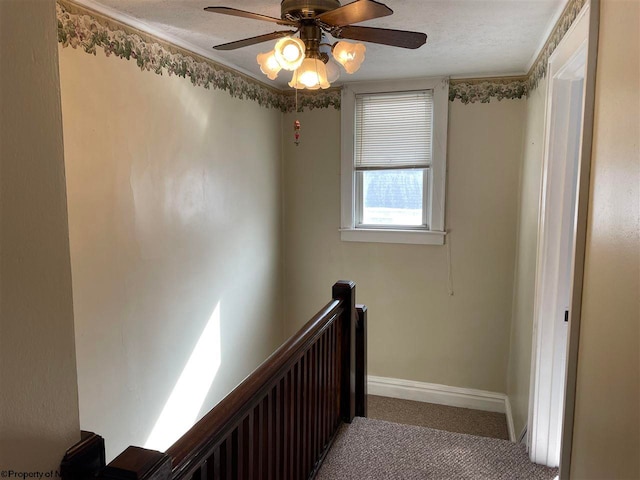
[(296, 124), (296, 130)]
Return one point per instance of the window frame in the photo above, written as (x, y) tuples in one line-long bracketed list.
[(435, 214)]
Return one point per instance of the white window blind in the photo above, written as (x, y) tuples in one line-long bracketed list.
[(393, 130)]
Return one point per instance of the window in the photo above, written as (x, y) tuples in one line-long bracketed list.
[(394, 161)]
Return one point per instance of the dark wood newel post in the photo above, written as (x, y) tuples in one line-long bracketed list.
[(85, 460), (361, 361), (137, 463), (345, 291)]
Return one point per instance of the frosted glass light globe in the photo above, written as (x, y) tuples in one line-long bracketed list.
[(350, 55), (311, 75), (269, 65), (289, 52)]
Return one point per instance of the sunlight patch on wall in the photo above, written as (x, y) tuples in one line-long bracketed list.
[(192, 105), (181, 410)]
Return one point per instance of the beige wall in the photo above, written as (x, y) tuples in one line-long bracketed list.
[(416, 330), (38, 392), (174, 210), (519, 371), (606, 440)]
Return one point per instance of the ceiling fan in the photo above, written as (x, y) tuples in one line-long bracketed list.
[(313, 19)]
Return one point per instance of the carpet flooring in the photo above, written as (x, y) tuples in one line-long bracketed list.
[(441, 417), (374, 449)]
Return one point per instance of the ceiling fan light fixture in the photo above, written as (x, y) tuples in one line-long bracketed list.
[(349, 55), (308, 56), (311, 75), (289, 52), (269, 64)]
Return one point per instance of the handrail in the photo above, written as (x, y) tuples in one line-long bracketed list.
[(194, 445), (280, 421)]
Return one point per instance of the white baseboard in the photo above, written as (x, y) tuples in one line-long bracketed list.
[(509, 415), (443, 395)]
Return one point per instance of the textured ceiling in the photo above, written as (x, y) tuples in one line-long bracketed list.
[(466, 38)]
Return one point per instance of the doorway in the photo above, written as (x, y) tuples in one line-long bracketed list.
[(561, 231)]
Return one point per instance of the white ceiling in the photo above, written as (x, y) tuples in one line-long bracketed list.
[(466, 38)]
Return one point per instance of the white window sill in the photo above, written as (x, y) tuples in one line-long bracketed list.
[(414, 237)]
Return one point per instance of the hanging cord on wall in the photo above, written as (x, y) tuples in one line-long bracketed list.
[(296, 124), (450, 274)]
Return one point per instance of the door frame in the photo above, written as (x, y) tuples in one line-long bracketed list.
[(582, 34), (580, 239)]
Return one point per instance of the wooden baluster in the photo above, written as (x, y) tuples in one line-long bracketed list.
[(298, 420), (313, 389), (227, 459), (247, 446), (267, 452), (327, 386), (332, 373), (280, 443), (334, 380), (291, 433), (286, 418), (361, 361), (315, 392), (217, 474), (313, 426), (324, 385), (345, 291), (235, 454), (211, 468), (321, 386), (291, 430), (239, 450), (338, 374), (259, 444), (201, 473), (309, 411)]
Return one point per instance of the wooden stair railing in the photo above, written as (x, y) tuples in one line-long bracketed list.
[(279, 423)]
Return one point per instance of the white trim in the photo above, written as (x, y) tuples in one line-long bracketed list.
[(434, 236), (413, 237), (522, 438), (442, 395), (509, 414), (490, 75)]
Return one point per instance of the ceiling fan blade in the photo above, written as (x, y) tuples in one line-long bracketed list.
[(255, 16), (355, 12), (253, 40), (385, 36)]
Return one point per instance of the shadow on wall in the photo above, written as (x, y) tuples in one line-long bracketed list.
[(190, 392)]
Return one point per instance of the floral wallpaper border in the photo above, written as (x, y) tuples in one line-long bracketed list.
[(483, 90), (79, 27)]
